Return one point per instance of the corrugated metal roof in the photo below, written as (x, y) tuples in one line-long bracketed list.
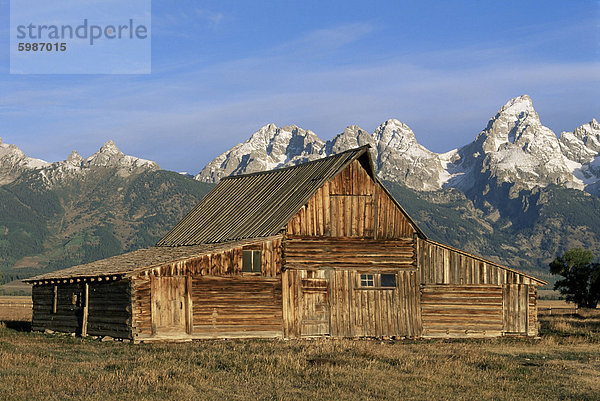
[(139, 260), (258, 204)]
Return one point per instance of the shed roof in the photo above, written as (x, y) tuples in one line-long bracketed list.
[(139, 260), (260, 204)]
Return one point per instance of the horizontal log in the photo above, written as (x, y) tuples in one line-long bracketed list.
[(355, 266), (449, 322), (462, 334), (462, 305), (108, 319)]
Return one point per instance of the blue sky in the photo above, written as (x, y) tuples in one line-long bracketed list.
[(222, 69)]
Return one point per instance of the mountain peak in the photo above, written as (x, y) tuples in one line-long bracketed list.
[(395, 133), (520, 108), (110, 147), (74, 159)]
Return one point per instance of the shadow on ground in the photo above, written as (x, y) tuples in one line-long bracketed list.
[(16, 325)]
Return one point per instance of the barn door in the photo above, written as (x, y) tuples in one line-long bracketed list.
[(315, 307), (515, 308), (169, 305)]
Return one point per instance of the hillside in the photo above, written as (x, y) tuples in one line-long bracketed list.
[(525, 233), (84, 217)]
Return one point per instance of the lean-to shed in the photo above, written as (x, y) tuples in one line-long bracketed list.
[(318, 249)]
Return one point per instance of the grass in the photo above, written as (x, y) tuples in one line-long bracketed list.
[(563, 364)]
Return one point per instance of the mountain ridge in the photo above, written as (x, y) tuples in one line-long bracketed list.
[(514, 148)]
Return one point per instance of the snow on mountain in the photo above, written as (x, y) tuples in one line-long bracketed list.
[(401, 158), (110, 156), (13, 163), (514, 148), (268, 148), (582, 149)]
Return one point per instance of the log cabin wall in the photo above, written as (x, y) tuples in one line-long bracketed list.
[(57, 307), (237, 307), (209, 296), (457, 288), (61, 307), (109, 310), (462, 310)]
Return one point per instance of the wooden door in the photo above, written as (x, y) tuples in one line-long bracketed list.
[(515, 308), (315, 307), (169, 305)]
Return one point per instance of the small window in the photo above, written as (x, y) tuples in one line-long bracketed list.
[(388, 280), (367, 280), (251, 261)]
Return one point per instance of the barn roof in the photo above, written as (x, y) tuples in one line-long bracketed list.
[(261, 204), (138, 260)]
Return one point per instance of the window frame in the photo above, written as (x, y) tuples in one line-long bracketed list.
[(376, 280), (368, 278), (255, 255)]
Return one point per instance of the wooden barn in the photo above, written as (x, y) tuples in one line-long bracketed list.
[(318, 249)]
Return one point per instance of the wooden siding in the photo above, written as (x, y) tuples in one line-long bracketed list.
[(108, 304), (516, 308), (462, 310), (169, 305), (226, 262), (353, 311), (351, 204), (349, 253), (441, 264), (390, 220), (236, 307), (142, 306), (216, 286), (532, 329)]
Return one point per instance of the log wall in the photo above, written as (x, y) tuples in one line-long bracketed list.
[(237, 307), (349, 253), (462, 310), (109, 308), (447, 272), (66, 316), (351, 204)]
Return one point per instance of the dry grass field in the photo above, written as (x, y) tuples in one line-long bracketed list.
[(563, 365), (15, 308)]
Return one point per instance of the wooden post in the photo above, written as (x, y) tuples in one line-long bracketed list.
[(189, 322), (84, 322), (55, 300)]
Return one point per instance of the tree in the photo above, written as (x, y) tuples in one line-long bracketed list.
[(581, 277)]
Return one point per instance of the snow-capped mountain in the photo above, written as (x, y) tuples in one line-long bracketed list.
[(582, 148), (515, 148), (14, 163), (268, 148)]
